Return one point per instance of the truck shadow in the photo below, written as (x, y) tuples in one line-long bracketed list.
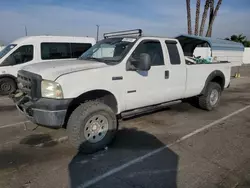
[(7, 108), (38, 139), (113, 167)]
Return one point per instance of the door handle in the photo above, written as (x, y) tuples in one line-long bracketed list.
[(167, 74)]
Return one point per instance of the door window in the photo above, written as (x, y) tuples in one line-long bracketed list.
[(173, 53), (23, 54), (152, 48), (55, 51)]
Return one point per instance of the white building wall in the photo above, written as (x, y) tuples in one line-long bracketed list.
[(246, 56)]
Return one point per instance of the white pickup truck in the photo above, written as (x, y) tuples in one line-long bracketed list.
[(121, 75)]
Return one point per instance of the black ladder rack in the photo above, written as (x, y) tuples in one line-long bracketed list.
[(134, 32)]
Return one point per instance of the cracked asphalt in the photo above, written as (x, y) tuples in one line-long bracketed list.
[(149, 150)]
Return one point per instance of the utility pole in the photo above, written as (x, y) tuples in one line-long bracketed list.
[(25, 28), (97, 32)]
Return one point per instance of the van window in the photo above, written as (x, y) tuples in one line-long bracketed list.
[(55, 51), (78, 49), (23, 54)]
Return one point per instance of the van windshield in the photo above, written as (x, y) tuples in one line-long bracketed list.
[(6, 50), (109, 50)]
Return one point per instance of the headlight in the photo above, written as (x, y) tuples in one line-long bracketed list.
[(51, 89)]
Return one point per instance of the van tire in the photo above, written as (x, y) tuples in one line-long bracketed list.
[(7, 86), (81, 126), (207, 101)]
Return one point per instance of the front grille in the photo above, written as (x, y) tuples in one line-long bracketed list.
[(29, 83), (24, 84)]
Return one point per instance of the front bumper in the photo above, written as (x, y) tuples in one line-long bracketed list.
[(45, 112)]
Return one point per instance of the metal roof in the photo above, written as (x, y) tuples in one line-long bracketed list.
[(191, 41)]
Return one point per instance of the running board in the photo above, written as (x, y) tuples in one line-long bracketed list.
[(147, 109)]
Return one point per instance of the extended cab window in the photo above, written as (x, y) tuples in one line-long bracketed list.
[(152, 48), (78, 49), (55, 51), (173, 53), (22, 55)]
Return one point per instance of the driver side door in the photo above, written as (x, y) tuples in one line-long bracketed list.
[(145, 88)]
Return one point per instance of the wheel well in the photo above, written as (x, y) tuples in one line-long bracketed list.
[(8, 76), (217, 77), (102, 95), (219, 80)]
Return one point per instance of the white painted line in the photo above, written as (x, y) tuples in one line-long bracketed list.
[(141, 158), (14, 124)]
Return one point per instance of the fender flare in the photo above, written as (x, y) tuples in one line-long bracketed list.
[(212, 75)]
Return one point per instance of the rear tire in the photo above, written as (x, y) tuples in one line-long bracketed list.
[(91, 126), (211, 99), (7, 86)]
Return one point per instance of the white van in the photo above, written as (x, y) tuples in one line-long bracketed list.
[(36, 49)]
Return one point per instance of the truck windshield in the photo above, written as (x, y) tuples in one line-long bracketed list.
[(109, 50), (6, 50)]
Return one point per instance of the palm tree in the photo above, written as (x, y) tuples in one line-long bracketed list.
[(209, 31), (211, 16), (189, 17), (204, 16), (197, 18), (240, 38)]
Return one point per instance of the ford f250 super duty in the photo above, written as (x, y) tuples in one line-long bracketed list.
[(121, 75)]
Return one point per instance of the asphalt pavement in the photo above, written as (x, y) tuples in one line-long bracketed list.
[(180, 147)]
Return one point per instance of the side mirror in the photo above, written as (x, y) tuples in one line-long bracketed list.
[(143, 64)]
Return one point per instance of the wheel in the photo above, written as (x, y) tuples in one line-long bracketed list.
[(91, 126), (7, 86), (211, 98)]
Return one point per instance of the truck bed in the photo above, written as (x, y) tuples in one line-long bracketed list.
[(197, 74)]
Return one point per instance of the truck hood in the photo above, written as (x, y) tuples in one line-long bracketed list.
[(51, 70)]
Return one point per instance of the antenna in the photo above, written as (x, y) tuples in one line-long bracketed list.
[(25, 29)]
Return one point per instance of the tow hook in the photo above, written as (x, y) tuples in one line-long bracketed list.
[(16, 96)]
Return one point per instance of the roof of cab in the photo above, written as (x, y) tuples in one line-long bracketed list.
[(215, 44), (50, 38)]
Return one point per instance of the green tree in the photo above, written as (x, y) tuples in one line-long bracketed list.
[(240, 38)]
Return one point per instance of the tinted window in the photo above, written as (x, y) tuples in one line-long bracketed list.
[(78, 49), (173, 53), (22, 55), (152, 48), (55, 51)]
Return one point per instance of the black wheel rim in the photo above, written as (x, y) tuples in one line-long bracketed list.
[(5, 87)]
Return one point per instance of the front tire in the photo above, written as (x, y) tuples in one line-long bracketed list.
[(91, 126), (211, 99), (7, 86)]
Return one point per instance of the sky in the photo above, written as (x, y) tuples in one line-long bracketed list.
[(80, 17)]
